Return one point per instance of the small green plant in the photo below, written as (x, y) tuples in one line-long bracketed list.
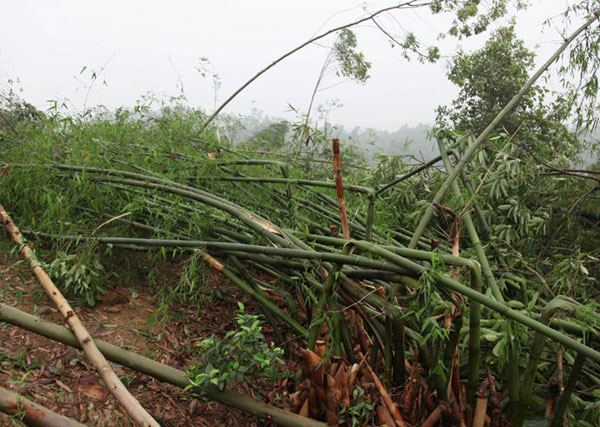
[(359, 413), (77, 279), (241, 354)]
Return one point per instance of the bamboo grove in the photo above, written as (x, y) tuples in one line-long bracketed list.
[(403, 293)]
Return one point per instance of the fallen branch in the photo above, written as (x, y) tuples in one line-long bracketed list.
[(31, 413), (112, 381), (154, 369), (306, 43)]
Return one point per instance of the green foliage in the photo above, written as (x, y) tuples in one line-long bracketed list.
[(241, 355), (488, 79), (579, 75), (352, 63), (81, 279), (361, 412)]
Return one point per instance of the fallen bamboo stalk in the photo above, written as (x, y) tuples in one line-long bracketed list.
[(476, 296), (293, 181), (408, 175), (356, 260), (435, 416), (31, 413), (154, 369), (475, 241), (112, 381)]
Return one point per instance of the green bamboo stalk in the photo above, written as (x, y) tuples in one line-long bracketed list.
[(258, 296), (154, 369), (563, 401), (405, 252), (141, 226), (478, 211), (370, 217), (491, 303), (474, 340), (293, 181), (485, 266), (253, 162), (313, 330), (514, 390), (237, 247), (474, 146), (252, 281), (272, 261), (408, 175), (253, 221), (453, 342), (537, 346)]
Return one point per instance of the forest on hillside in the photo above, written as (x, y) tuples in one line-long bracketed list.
[(299, 273)]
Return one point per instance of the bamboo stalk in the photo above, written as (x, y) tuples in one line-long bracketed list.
[(408, 175), (491, 303), (563, 401), (514, 387), (474, 339), (154, 369), (292, 181), (370, 217), (406, 4), (322, 301), (339, 186), (485, 266), (258, 296), (357, 260), (474, 146), (112, 381), (480, 217), (31, 413), (558, 303)]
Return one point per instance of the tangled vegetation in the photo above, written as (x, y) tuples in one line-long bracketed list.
[(492, 309)]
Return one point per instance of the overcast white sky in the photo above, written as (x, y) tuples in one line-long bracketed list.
[(154, 46)]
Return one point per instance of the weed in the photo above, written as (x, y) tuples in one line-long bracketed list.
[(361, 412), (76, 278), (240, 355)]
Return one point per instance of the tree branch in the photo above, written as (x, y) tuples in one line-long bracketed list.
[(407, 4)]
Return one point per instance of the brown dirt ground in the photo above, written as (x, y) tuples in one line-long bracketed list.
[(59, 377)]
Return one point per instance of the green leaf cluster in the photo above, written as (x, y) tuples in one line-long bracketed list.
[(241, 355), (76, 277)]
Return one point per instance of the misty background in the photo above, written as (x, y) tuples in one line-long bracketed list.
[(82, 55)]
